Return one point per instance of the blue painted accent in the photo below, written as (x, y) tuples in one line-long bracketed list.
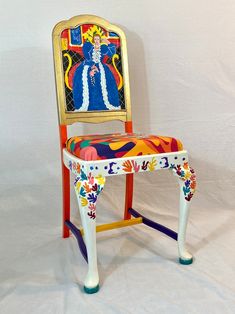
[(186, 261), (111, 164), (166, 163), (170, 233), (83, 175), (109, 153), (112, 34), (75, 35), (91, 290), (91, 167), (78, 236), (95, 95)]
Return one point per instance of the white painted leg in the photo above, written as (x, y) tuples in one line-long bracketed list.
[(187, 182), (89, 227), (87, 191), (184, 256)]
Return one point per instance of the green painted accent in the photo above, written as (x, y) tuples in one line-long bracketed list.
[(105, 143), (91, 290), (72, 146), (186, 261), (85, 144)]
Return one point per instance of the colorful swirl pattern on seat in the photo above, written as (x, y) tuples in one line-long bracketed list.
[(117, 145)]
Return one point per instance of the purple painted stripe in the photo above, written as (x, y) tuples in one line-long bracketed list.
[(170, 233), (78, 236)]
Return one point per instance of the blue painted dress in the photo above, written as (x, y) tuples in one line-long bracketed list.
[(99, 92)]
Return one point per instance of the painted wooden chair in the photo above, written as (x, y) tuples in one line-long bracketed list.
[(92, 81)]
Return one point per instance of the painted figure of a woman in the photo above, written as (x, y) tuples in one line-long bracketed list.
[(94, 86)]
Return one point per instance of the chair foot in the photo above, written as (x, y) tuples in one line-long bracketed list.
[(91, 290), (186, 261), (91, 282), (185, 258)]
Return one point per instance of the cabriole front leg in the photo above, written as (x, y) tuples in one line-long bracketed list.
[(87, 189), (187, 181)]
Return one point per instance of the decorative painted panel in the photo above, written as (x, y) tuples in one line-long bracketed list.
[(92, 69), (177, 162), (118, 166)]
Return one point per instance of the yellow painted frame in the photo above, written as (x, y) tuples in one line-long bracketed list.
[(65, 117)]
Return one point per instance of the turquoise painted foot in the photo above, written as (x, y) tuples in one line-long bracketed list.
[(186, 261), (91, 290)]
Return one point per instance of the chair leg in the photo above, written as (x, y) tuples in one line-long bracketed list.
[(129, 195), (187, 182), (66, 199), (184, 256), (87, 190)]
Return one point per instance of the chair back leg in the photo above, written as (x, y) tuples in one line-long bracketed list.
[(66, 200), (65, 183), (129, 195)]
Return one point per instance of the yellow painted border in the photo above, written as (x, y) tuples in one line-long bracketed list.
[(66, 117)]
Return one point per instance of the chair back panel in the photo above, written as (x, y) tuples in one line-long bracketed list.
[(91, 70)]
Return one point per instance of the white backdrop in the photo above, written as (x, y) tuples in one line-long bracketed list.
[(182, 71)]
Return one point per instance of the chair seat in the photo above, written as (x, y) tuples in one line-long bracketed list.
[(118, 145)]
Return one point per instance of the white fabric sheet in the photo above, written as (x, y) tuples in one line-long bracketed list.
[(182, 70)]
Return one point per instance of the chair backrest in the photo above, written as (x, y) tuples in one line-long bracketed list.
[(91, 70)]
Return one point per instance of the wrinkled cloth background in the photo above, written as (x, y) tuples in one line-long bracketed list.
[(182, 72)]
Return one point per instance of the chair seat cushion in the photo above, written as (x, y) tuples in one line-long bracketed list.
[(117, 145)]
